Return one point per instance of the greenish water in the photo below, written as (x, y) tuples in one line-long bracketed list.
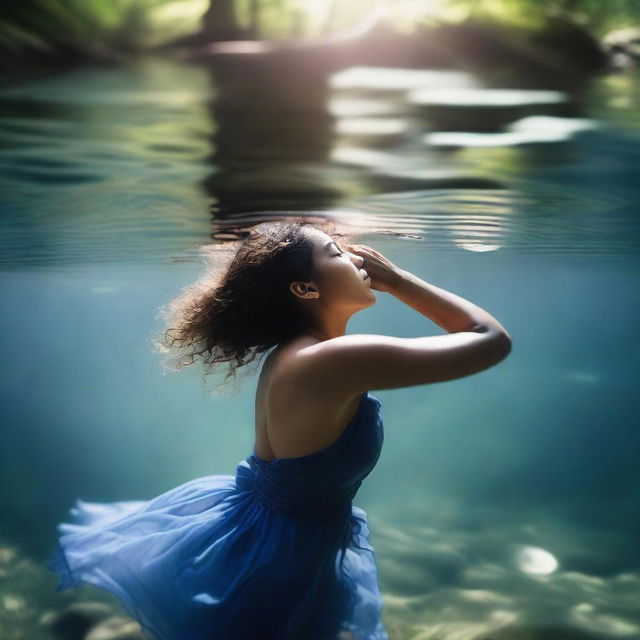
[(504, 503)]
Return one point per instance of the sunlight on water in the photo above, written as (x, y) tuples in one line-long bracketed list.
[(485, 97), (382, 79), (531, 130), (371, 126), (504, 505)]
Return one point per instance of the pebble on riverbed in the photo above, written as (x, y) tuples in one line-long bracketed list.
[(75, 620), (116, 628)]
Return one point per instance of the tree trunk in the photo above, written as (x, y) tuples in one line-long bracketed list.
[(220, 21), (254, 23)]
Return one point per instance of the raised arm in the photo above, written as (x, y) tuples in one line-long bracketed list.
[(351, 364)]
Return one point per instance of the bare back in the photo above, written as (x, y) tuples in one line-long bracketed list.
[(309, 390), (291, 420)]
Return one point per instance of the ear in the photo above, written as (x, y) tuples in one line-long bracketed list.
[(304, 289)]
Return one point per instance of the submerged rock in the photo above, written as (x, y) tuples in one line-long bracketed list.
[(541, 632), (623, 46), (75, 620), (116, 628)]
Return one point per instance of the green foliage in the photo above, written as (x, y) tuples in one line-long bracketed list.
[(99, 27), (68, 27), (599, 16)]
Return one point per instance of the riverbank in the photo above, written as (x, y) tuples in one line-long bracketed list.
[(557, 53)]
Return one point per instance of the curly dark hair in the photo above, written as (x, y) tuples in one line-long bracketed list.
[(251, 309)]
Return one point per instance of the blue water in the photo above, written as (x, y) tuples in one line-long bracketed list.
[(502, 501)]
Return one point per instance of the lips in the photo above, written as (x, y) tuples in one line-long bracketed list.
[(366, 275)]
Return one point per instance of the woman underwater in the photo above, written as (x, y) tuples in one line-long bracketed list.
[(278, 551)]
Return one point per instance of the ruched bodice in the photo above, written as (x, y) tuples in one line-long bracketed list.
[(320, 485), (276, 551)]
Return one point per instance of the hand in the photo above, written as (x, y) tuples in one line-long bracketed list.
[(383, 273)]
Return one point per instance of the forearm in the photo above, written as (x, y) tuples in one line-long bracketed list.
[(448, 310)]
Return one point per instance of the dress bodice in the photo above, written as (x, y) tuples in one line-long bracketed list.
[(320, 485)]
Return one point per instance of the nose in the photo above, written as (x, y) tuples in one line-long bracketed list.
[(359, 260)]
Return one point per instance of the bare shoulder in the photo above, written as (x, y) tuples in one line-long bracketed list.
[(291, 379), (298, 416)]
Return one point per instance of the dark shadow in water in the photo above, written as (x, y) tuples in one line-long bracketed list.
[(272, 137), (274, 132)]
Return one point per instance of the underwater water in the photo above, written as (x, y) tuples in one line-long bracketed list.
[(504, 504)]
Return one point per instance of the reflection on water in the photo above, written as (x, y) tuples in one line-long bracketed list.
[(530, 130), (509, 514), (271, 140), (99, 144), (98, 166)]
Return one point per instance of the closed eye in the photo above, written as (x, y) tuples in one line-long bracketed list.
[(338, 248)]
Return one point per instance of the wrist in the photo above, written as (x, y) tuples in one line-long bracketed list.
[(399, 278)]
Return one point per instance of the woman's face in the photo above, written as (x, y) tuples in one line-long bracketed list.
[(338, 274)]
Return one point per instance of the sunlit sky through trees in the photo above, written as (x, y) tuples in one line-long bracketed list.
[(284, 18), (92, 26)]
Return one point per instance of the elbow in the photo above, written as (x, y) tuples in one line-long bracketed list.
[(503, 344)]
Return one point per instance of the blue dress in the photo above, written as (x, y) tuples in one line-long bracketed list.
[(276, 552)]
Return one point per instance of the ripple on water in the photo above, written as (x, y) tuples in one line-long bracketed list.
[(51, 177), (171, 148), (535, 218)]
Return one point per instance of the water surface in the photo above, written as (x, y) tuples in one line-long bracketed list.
[(501, 501)]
